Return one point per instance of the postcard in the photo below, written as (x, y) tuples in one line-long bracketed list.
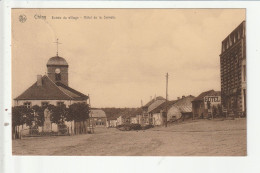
[(129, 82)]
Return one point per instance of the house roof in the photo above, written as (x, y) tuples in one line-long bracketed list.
[(126, 116), (185, 108), (163, 106), (71, 92), (97, 113), (112, 118), (153, 100), (138, 111), (155, 104), (129, 114), (50, 91), (207, 93), (184, 104)]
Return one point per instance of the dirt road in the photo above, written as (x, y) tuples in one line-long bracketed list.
[(197, 138)]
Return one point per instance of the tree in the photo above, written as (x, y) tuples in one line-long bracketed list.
[(28, 116), (39, 114), (21, 115), (17, 119), (78, 112), (58, 114), (17, 116)]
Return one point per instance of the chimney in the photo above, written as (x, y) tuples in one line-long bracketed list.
[(39, 80), (183, 96), (151, 97)]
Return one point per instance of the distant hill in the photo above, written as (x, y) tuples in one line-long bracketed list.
[(113, 113)]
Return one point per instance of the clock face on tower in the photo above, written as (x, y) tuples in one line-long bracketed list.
[(57, 71)]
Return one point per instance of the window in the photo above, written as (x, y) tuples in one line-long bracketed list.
[(57, 77), (45, 104), (27, 104), (60, 103)]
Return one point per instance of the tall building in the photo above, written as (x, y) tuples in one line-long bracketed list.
[(233, 71)]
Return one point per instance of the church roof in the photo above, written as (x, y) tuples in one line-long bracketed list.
[(57, 60), (50, 91)]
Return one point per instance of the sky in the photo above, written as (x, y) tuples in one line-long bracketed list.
[(123, 58)]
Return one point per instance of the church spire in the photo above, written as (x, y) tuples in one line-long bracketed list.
[(57, 42)]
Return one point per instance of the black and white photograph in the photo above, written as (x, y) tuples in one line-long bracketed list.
[(129, 82)]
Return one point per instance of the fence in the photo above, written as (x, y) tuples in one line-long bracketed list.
[(36, 133), (83, 127), (78, 128)]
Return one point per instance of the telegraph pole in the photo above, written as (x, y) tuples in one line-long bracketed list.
[(166, 98), (90, 119)]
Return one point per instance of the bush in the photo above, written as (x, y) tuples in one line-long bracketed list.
[(147, 127), (128, 127), (119, 126), (34, 130), (135, 127), (62, 128)]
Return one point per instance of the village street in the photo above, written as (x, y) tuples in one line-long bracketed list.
[(191, 138)]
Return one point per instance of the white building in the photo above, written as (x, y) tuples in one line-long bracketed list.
[(51, 89)]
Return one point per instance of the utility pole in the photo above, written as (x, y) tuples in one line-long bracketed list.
[(90, 119), (166, 98)]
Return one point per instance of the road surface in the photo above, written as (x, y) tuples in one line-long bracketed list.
[(195, 138)]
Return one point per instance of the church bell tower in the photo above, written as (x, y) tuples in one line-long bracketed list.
[(57, 69)]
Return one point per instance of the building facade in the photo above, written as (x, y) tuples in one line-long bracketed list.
[(203, 104), (133, 120), (52, 89), (146, 116), (159, 113), (123, 119), (98, 117), (233, 71), (182, 108), (112, 123)]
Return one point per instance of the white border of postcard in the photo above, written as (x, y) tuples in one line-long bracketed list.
[(70, 164)]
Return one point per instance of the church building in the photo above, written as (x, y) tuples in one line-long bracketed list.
[(51, 88)]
